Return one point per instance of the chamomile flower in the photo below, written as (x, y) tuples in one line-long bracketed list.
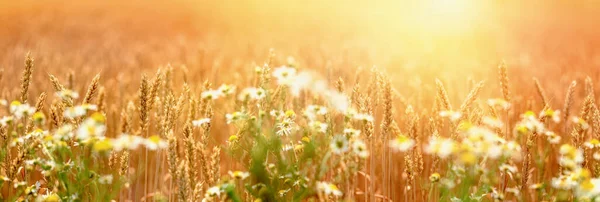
[(328, 189), (441, 147), (129, 142), (508, 168), (350, 132), (452, 115), (90, 128), (435, 177), (493, 122), (402, 143), (226, 89), (553, 138), (580, 122), (211, 94), (213, 192), (363, 117), (235, 117), (514, 190), (65, 132), (67, 94), (155, 142), (529, 124), (318, 126), (53, 197), (4, 121), (552, 114), (233, 138), (312, 111), (588, 189), (497, 196), (571, 157), (593, 143), (105, 179), (102, 146), (338, 101), (239, 175), (285, 75), (360, 149), (287, 147), (339, 144), (285, 127), (74, 112), (38, 118), (252, 94), (564, 182), (499, 103), (19, 110), (278, 114), (536, 186), (201, 122)]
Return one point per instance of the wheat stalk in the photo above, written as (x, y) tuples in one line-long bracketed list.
[(26, 78)]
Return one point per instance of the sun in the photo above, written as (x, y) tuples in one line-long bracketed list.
[(448, 15), (449, 8)]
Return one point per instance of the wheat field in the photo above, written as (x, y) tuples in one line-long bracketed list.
[(266, 100)]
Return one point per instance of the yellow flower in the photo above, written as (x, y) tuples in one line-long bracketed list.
[(465, 125), (104, 145), (98, 117), (435, 177), (155, 142), (290, 114), (298, 147), (39, 117), (233, 138), (239, 175), (329, 189), (593, 143), (226, 89), (48, 138), (442, 147), (52, 198), (402, 143), (468, 158)]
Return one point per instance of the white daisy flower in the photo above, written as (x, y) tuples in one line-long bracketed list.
[(339, 144), (402, 143), (329, 189), (252, 94), (155, 142), (318, 126), (105, 179), (351, 132), (201, 122), (226, 89), (285, 75), (67, 94), (129, 142), (211, 94), (239, 175), (360, 149)]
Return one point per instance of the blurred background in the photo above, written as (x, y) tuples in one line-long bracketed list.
[(413, 40)]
